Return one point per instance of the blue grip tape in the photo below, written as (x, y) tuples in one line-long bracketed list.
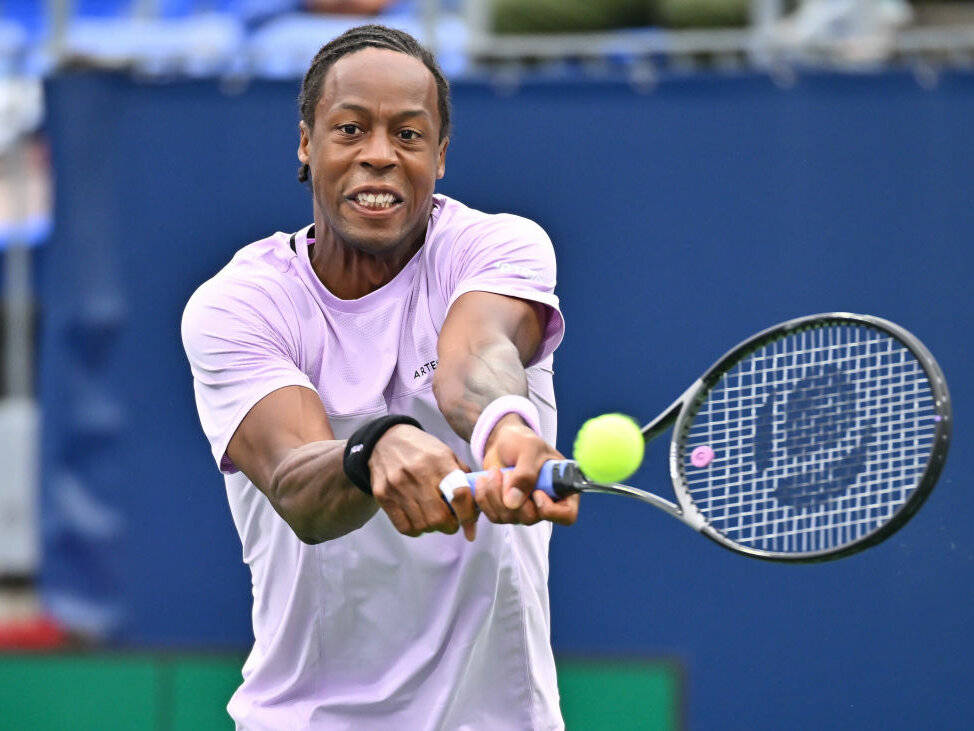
[(548, 478)]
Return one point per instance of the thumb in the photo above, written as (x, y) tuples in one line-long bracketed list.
[(492, 461), (515, 489)]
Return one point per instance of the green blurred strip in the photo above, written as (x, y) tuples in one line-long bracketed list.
[(79, 692), (201, 688), (621, 695), (180, 692)]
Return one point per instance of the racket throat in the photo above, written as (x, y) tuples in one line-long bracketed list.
[(665, 420)]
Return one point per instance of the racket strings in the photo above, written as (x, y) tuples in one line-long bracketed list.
[(819, 438)]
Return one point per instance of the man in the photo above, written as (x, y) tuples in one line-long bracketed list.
[(341, 374)]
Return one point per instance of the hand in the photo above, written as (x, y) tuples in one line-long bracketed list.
[(503, 496), (406, 467)]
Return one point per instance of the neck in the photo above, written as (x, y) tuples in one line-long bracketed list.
[(350, 273)]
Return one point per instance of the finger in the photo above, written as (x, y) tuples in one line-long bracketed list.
[(527, 512), (425, 508), (395, 498), (519, 483), (492, 503), (466, 510), (489, 497), (437, 515), (480, 494), (492, 461), (448, 522), (414, 513), (563, 512), (399, 519)]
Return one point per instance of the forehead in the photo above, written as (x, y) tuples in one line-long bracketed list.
[(378, 77)]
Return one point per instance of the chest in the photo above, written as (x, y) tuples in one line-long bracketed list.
[(361, 361)]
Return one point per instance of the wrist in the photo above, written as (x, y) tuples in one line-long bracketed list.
[(507, 420), (359, 447), (508, 409)]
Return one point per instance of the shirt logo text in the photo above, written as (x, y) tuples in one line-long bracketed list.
[(425, 368)]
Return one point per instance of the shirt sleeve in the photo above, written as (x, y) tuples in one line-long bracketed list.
[(240, 349), (512, 256)]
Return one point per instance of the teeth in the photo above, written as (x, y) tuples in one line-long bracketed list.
[(375, 200)]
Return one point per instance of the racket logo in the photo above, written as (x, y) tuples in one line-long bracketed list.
[(821, 452)]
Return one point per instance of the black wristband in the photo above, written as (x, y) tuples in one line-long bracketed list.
[(358, 448)]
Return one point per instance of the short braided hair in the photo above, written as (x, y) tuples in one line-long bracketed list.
[(355, 39)]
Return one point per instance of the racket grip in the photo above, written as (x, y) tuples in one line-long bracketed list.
[(558, 478)]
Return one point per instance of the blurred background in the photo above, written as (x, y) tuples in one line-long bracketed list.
[(705, 168)]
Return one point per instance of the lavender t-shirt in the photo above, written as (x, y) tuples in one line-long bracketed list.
[(374, 629)]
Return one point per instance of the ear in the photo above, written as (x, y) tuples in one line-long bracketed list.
[(441, 161), (304, 143)]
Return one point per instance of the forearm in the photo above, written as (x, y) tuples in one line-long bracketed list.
[(310, 491), (467, 379)]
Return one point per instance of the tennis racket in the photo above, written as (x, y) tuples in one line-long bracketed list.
[(811, 440)]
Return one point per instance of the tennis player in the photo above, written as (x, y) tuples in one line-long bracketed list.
[(342, 373)]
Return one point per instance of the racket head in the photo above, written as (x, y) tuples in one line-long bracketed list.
[(812, 440)]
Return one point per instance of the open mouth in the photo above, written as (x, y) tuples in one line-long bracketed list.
[(375, 200)]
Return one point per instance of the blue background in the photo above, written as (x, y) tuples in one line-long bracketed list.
[(684, 219)]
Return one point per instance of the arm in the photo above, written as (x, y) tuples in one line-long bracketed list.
[(286, 447), (483, 346), (485, 341), (239, 348)]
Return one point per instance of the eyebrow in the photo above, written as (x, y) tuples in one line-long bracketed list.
[(405, 114)]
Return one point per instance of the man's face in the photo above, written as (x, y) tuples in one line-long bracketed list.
[(374, 151)]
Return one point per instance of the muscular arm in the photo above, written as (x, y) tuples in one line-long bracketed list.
[(483, 347), (286, 447)]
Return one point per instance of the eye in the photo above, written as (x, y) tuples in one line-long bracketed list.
[(348, 128), (409, 134)]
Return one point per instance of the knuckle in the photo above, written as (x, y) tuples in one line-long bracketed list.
[(492, 515), (442, 518), (528, 517), (416, 463), (397, 475), (401, 524), (385, 496)]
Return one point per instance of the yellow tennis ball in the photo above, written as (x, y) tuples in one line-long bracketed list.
[(609, 448)]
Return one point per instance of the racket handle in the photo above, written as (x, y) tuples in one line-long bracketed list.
[(558, 478)]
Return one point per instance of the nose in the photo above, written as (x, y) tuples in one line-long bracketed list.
[(377, 151)]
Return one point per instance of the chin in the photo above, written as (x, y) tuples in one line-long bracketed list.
[(374, 243)]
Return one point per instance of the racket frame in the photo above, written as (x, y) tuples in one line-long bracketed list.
[(680, 415)]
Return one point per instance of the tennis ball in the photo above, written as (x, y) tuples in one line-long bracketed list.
[(609, 448)]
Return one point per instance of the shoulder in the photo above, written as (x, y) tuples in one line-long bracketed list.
[(458, 227), (258, 272), (258, 284), (464, 239)]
